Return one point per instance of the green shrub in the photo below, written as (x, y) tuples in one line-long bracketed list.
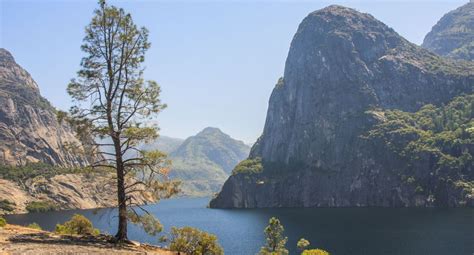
[(302, 244), (6, 205), (32, 170), (3, 222), (40, 206), (468, 187), (315, 252), (193, 241), (419, 189), (249, 166), (78, 225), (34, 225)]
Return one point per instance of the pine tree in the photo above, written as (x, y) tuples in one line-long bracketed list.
[(275, 240), (113, 102)]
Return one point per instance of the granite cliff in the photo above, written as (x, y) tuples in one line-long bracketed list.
[(29, 129), (453, 35), (36, 159), (351, 123), (63, 191)]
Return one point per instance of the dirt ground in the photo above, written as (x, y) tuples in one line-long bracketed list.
[(21, 240)]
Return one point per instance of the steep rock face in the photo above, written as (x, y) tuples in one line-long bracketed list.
[(342, 63), (453, 35), (343, 70), (29, 130)]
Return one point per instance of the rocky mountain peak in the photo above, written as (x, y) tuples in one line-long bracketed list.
[(210, 131), (214, 145), (343, 70), (29, 129), (342, 63), (12, 73), (453, 35), (344, 19), (360, 31), (5, 56)]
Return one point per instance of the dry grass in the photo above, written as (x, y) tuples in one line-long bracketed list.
[(22, 240)]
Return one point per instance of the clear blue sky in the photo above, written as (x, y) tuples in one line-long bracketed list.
[(217, 61)]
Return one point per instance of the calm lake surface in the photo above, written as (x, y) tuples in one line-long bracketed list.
[(371, 231)]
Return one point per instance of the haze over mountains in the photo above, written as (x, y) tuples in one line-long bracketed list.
[(204, 161), (362, 117), (30, 133), (164, 143)]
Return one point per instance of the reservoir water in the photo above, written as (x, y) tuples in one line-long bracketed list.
[(367, 231)]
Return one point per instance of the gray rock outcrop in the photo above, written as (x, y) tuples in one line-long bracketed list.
[(29, 129), (343, 71), (64, 191), (453, 35)]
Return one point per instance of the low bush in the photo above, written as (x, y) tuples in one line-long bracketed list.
[(302, 244), (315, 252), (6, 205), (193, 241), (249, 166), (40, 206), (34, 225), (419, 189), (3, 222), (78, 225)]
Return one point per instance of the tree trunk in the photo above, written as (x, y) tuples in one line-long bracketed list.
[(121, 235), (122, 225)]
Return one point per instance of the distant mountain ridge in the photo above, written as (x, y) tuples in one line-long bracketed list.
[(453, 35), (204, 161), (214, 145)]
